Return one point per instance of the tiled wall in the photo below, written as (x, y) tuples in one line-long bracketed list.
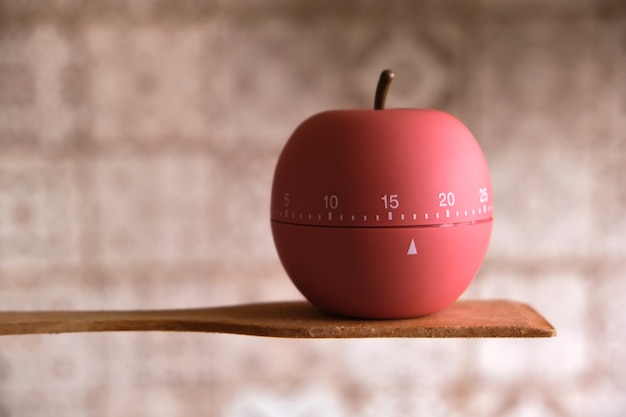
[(137, 143)]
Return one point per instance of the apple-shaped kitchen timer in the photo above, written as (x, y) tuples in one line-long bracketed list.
[(382, 213)]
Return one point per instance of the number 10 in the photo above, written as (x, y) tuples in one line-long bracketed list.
[(331, 201)]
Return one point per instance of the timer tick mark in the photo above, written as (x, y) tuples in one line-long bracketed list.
[(389, 216)]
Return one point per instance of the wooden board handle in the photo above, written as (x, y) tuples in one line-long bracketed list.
[(297, 319)]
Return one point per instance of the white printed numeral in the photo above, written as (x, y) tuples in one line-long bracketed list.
[(446, 199), (484, 196), (331, 201), (390, 201)]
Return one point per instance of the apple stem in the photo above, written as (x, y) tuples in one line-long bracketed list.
[(381, 89)]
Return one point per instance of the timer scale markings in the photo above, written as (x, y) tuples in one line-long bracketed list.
[(353, 217), (390, 201)]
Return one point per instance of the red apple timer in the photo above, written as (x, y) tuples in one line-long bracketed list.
[(383, 213)]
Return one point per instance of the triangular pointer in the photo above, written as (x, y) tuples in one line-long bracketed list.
[(412, 249)]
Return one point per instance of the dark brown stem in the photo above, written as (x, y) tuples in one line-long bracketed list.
[(381, 89)]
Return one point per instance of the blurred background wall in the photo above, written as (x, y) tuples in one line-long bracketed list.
[(137, 144)]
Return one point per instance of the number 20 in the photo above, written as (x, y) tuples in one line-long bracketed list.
[(446, 199)]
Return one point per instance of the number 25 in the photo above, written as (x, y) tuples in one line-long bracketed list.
[(484, 196)]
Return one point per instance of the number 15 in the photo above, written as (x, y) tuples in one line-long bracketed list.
[(390, 201)]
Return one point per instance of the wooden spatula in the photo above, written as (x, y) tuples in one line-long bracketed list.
[(298, 319)]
